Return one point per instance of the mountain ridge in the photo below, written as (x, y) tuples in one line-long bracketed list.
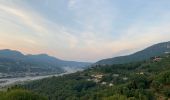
[(154, 50), (9, 58)]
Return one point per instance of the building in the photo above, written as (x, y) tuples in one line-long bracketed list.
[(104, 83), (157, 59), (111, 84)]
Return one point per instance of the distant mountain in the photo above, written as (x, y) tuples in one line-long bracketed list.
[(7, 53), (155, 50), (15, 61)]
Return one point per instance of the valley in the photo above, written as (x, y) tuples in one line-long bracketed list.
[(145, 80), (137, 80), (84, 49), (17, 68), (14, 80)]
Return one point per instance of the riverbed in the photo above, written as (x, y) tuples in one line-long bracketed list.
[(19, 80)]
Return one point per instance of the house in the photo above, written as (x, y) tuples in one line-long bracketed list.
[(96, 80), (157, 59), (99, 76), (140, 73), (116, 75), (104, 83), (125, 78), (111, 84)]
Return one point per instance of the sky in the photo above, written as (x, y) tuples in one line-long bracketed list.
[(83, 30)]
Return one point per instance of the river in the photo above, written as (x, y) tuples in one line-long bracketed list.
[(19, 80), (10, 81)]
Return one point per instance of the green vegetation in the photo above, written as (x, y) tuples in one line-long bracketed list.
[(146, 80), (18, 94)]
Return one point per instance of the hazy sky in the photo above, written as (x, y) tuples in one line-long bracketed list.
[(83, 30)]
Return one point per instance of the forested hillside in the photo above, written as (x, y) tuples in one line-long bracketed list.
[(145, 80), (154, 50), (19, 94)]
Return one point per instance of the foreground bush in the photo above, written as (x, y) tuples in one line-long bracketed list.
[(19, 94)]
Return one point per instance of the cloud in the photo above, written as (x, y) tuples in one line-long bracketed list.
[(26, 19), (31, 21), (101, 31)]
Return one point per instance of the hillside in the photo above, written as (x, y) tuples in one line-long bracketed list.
[(12, 61), (144, 80), (19, 94), (155, 50)]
